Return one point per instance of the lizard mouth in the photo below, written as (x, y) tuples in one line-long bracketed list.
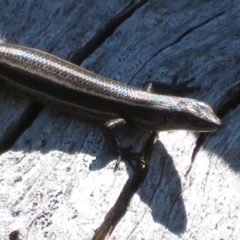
[(200, 115)]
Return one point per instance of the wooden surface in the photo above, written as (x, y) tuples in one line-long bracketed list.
[(57, 180)]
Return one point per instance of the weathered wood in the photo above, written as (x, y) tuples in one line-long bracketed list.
[(58, 181)]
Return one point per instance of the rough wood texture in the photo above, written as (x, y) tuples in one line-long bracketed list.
[(57, 180)]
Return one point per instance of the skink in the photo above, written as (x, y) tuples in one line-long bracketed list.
[(73, 89)]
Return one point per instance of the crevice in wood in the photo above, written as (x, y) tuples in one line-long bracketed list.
[(200, 140), (15, 130), (183, 35), (81, 54), (153, 194), (229, 101), (175, 201), (190, 30), (120, 207)]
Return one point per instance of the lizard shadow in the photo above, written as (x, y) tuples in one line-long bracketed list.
[(160, 191), (165, 199)]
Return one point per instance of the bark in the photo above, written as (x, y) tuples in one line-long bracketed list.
[(57, 178)]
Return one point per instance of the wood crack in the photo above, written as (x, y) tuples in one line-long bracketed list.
[(81, 54), (180, 38), (229, 101), (15, 130)]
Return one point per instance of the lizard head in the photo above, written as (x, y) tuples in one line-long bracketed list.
[(190, 114)]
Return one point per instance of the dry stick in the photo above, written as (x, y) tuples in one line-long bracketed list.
[(120, 207)]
